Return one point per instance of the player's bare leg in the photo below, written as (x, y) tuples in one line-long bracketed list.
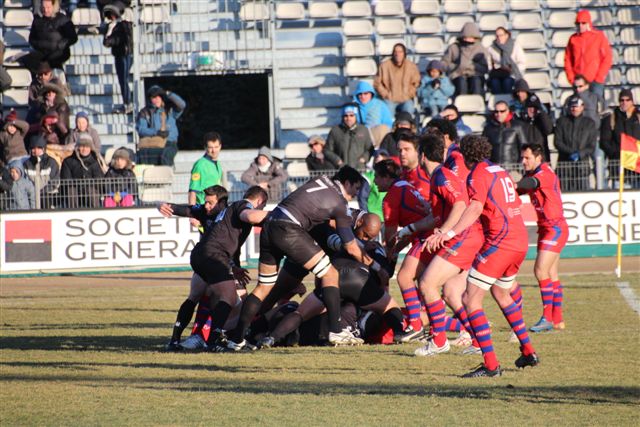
[(185, 313)]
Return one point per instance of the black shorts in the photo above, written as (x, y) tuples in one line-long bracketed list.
[(213, 269), (279, 238), (357, 284)]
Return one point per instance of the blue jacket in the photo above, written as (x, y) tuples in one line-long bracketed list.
[(23, 193), (374, 112), (439, 96), (462, 128), (150, 119)]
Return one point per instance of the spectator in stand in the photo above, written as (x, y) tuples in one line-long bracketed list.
[(537, 125), (206, 171), (435, 89), (397, 81), (624, 119), (267, 172), (575, 138), (351, 141), (371, 111), (53, 131), (12, 139), (44, 172), (157, 127), (508, 62), (588, 53), (5, 78), (50, 100), (83, 127), (591, 105), (404, 124), (121, 186), (44, 75), (506, 135), (119, 37), (452, 114), (52, 33), (79, 170), (319, 159), (520, 94), (22, 192), (467, 61)]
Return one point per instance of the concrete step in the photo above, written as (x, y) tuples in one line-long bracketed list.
[(302, 135), (311, 82), (315, 100)]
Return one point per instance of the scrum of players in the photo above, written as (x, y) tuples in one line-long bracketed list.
[(459, 214)]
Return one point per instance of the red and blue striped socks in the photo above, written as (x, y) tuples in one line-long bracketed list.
[(436, 312), (412, 302), (557, 303), (516, 294), (482, 332), (513, 314), (546, 291)]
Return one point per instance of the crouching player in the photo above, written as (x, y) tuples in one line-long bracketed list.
[(494, 200), (543, 187)]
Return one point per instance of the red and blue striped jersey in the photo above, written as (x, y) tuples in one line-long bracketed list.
[(455, 162), (547, 198), (419, 179)]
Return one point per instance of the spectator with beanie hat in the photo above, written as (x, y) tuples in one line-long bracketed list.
[(319, 159), (83, 127), (44, 172), (351, 141), (404, 124), (121, 188), (80, 169)]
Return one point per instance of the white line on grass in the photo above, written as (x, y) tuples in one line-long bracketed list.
[(629, 296)]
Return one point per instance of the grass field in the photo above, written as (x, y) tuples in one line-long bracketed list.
[(85, 350)]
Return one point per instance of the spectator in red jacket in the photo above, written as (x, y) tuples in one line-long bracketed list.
[(588, 53)]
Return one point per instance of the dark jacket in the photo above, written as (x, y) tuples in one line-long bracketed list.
[(121, 180), (537, 129), (121, 39), (575, 134), (13, 145), (275, 176), (43, 172), (329, 162), (350, 145), (613, 126), (79, 173), (506, 139), (39, 110), (149, 120), (390, 141), (52, 37)]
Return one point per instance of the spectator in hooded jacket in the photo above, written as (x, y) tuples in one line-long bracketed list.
[(435, 89), (50, 100), (267, 172), (22, 190), (12, 145), (588, 53), (508, 62), (625, 118), (372, 111), (119, 37), (44, 75), (467, 61), (319, 159), (79, 170), (520, 94), (397, 80), (121, 187), (83, 127), (506, 135), (52, 34), (44, 172), (537, 125), (350, 141), (451, 113)]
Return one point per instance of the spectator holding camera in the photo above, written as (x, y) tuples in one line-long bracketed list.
[(157, 127), (435, 89)]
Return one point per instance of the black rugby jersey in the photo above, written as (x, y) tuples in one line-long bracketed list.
[(229, 232)]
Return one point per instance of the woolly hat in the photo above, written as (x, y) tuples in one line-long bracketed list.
[(316, 139), (11, 117), (521, 85), (434, 64), (154, 91), (404, 117), (43, 68), (470, 29), (82, 114), (349, 109), (575, 101), (37, 141), (84, 139), (265, 151)]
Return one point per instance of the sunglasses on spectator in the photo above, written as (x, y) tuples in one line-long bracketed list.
[(500, 111)]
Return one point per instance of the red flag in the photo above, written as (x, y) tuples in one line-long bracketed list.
[(630, 152)]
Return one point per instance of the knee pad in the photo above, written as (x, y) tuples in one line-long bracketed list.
[(322, 267)]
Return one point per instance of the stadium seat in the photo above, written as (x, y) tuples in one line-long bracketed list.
[(361, 68), (18, 18), (15, 97), (150, 195), (536, 60), (297, 169), (429, 45), (11, 55), (425, 7), (17, 3), (490, 6), (427, 25), (561, 4), (20, 77), (562, 19), (602, 18), (564, 95), (254, 11), (154, 14), (390, 26), (633, 75), (491, 22), (538, 80), (558, 60), (527, 21), (629, 16), (632, 55), (158, 175), (86, 17), (487, 40), (560, 39), (359, 48), (323, 10), (296, 151), (290, 11), (562, 80), (636, 93), (493, 98), (545, 97), (630, 35), (595, 3), (470, 104), (356, 9), (475, 121), (457, 6), (385, 46), (525, 5), (389, 8), (108, 155), (614, 77), (454, 23), (360, 27), (532, 41)]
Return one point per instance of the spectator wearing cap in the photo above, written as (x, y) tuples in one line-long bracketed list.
[(537, 124), (398, 80), (119, 37), (404, 124), (506, 135), (157, 127), (22, 193), (44, 172), (435, 89), (350, 141), (508, 60), (79, 172), (575, 139), (371, 111), (319, 159), (451, 113), (591, 105), (50, 100), (267, 172), (206, 171), (12, 138), (121, 187), (623, 119), (588, 53), (467, 61), (52, 34), (83, 127), (44, 75)]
